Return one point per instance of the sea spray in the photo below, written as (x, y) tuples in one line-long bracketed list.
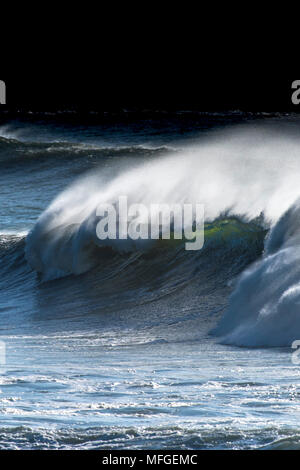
[(243, 173)]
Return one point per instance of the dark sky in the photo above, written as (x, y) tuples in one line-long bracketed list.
[(118, 89)]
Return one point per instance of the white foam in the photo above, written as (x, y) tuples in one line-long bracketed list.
[(264, 309), (16, 233)]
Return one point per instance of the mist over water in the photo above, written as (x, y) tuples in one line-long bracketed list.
[(117, 345)]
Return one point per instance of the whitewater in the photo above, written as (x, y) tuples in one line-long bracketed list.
[(128, 345)]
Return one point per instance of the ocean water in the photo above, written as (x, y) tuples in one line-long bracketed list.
[(150, 347)]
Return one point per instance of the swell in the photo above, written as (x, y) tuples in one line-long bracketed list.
[(14, 152), (163, 293), (227, 239), (166, 436), (11, 251), (14, 270), (168, 282)]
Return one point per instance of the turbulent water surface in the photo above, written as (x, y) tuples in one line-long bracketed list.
[(150, 347)]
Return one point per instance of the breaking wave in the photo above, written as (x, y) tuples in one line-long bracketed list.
[(247, 181), (264, 309)]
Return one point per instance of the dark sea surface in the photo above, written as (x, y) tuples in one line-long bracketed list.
[(157, 348)]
